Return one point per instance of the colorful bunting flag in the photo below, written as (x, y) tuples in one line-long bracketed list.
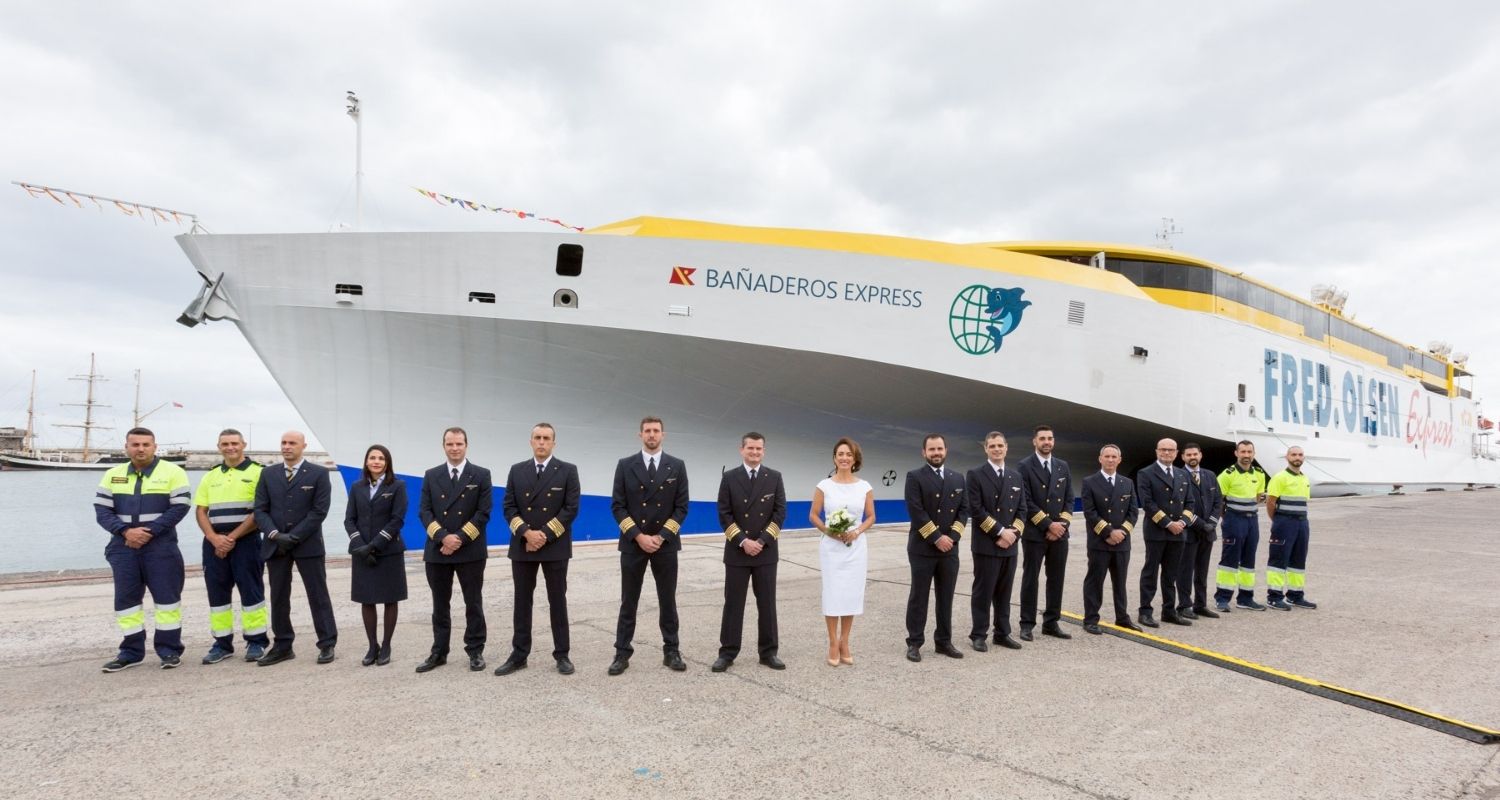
[(440, 199)]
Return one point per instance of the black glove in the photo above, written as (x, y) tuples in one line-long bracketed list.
[(284, 544), (361, 551), (371, 558)]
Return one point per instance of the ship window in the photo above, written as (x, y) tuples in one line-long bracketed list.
[(348, 288), (570, 260), (481, 297)]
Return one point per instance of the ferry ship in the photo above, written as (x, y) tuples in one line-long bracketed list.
[(806, 336)]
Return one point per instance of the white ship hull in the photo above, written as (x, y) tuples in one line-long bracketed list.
[(861, 346)]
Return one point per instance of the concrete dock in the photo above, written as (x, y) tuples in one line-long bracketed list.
[(1407, 587)]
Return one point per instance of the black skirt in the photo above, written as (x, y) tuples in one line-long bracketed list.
[(383, 583)]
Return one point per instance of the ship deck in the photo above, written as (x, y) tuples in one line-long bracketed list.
[(1407, 588)]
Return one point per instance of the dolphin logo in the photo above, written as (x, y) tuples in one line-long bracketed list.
[(1004, 307)]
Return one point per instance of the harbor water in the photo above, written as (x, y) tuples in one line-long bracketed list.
[(47, 522)]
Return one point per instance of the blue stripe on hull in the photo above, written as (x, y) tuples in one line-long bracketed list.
[(596, 522)]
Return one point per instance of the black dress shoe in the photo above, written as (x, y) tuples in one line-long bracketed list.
[(1128, 625), (1025, 634), (370, 656), (432, 662), (565, 666), (1093, 627), (673, 660), (948, 650), (325, 654), (1056, 632), (476, 662), (1007, 643), (510, 665), (773, 662), (274, 656), (979, 644), (721, 663), (1174, 619), (384, 656), (1186, 613), (1204, 612), (1148, 620), (913, 654), (619, 665)]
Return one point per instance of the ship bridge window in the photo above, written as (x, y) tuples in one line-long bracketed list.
[(348, 288), (481, 297), (570, 260)]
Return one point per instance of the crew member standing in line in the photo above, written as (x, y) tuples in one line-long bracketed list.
[(1170, 508), (291, 502), (455, 507), (1286, 504), (937, 505), (649, 501), (997, 509), (1110, 510), (1198, 539), (752, 509), (373, 519), (541, 501), (231, 551), (140, 504), (1244, 487), (1049, 506)]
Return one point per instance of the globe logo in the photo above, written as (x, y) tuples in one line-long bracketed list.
[(982, 316)]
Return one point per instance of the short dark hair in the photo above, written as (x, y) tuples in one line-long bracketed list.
[(994, 435), (1038, 429), (231, 432), (546, 425), (1242, 443), (140, 432), (752, 435), (929, 437), (1192, 446), (454, 429), (859, 457), (657, 420), (390, 466), (1115, 446)]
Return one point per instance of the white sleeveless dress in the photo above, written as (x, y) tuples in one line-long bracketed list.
[(844, 566)]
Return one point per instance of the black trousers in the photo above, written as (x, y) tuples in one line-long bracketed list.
[(925, 572), (524, 575), (633, 565), (994, 578), (471, 582), (1102, 562), (762, 578), (1192, 573), (1163, 558), (1054, 554), (315, 583)]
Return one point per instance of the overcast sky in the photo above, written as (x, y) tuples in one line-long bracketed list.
[(1343, 142)]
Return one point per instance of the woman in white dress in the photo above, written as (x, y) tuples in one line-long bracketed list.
[(844, 556)]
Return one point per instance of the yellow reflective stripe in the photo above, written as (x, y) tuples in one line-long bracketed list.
[(472, 531), (131, 620), (671, 525), (168, 617), (255, 618), (1296, 579), (221, 620), (1225, 578), (1247, 578)]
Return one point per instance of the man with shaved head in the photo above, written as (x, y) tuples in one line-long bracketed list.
[(1170, 509), (291, 501)]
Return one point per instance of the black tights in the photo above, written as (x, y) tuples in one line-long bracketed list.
[(390, 623)]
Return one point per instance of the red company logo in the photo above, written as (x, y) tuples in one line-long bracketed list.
[(682, 276)]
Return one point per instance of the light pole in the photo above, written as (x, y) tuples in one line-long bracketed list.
[(359, 173)]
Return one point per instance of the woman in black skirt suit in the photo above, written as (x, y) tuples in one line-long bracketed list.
[(376, 509)]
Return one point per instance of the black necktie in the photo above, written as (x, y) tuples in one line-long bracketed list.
[(939, 471), (539, 468), (1047, 466), (651, 470), (1111, 479), (752, 475), (1000, 473), (455, 476)]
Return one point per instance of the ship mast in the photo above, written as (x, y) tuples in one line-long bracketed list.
[(28, 445), (88, 409)]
